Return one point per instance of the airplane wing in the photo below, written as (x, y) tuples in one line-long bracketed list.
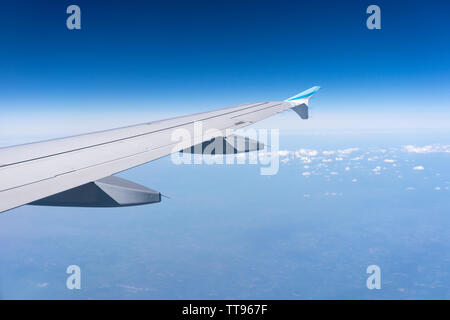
[(78, 170)]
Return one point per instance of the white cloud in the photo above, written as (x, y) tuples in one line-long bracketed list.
[(333, 194), (305, 159), (410, 188), (132, 288), (389, 160), (354, 180), (283, 153), (418, 168), (306, 173), (306, 152), (427, 149), (347, 151)]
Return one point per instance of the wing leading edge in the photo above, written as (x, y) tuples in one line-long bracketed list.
[(63, 169)]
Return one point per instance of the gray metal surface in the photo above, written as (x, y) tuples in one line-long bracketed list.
[(38, 170), (302, 111)]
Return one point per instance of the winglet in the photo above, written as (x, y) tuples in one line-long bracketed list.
[(305, 94)]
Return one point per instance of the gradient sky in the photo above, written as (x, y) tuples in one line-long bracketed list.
[(228, 232), (175, 57)]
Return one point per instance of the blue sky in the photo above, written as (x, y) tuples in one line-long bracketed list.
[(308, 232)]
